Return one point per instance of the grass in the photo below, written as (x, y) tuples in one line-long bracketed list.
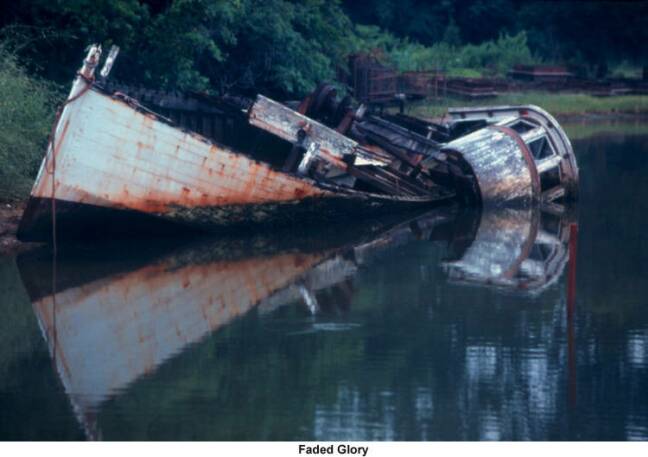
[(581, 130), (556, 104), (27, 106)]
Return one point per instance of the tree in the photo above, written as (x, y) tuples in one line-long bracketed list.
[(278, 46)]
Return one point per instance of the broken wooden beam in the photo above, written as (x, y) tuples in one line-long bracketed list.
[(285, 123)]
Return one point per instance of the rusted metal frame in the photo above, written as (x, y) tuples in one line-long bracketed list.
[(418, 126), (410, 179), (412, 135), (528, 157), (455, 173), (305, 104), (397, 152), (345, 123), (380, 182), (400, 151), (405, 144), (401, 180), (322, 142), (471, 89)]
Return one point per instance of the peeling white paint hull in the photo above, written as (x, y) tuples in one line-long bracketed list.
[(111, 155)]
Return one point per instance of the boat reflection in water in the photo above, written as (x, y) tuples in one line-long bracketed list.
[(523, 250), (118, 314)]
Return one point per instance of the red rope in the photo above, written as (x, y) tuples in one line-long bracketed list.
[(50, 168), (50, 161)]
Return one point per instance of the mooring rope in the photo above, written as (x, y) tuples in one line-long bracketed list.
[(50, 160), (50, 169)]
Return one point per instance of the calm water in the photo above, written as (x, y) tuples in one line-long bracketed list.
[(452, 326)]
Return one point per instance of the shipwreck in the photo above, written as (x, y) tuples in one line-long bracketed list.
[(115, 165)]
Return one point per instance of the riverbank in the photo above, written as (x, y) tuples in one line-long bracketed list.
[(10, 214), (565, 107)]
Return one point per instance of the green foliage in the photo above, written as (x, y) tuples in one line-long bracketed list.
[(625, 69), (52, 34), (283, 47), (567, 31), (491, 57), (286, 47), (498, 56), (27, 107)]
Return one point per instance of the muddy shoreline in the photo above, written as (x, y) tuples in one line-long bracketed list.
[(10, 214)]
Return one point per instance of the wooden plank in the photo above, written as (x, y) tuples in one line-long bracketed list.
[(282, 121)]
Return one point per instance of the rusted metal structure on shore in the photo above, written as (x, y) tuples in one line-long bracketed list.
[(373, 83), (540, 73), (114, 164), (470, 88), (377, 84)]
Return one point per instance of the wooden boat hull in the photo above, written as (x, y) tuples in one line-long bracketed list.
[(113, 158)]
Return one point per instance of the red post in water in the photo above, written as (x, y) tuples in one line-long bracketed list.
[(571, 274), (571, 306)]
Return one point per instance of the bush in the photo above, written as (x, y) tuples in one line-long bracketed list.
[(27, 106), (491, 57), (497, 57)]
